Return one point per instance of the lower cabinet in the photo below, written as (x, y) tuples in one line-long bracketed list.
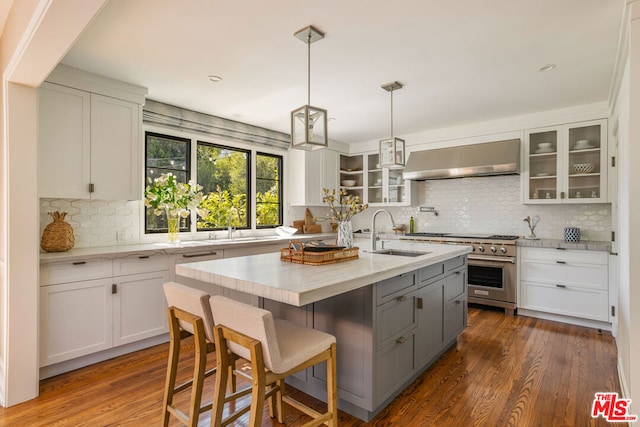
[(386, 333), (81, 314)]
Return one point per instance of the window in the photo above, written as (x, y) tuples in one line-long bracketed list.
[(224, 173), (268, 190), (164, 154)]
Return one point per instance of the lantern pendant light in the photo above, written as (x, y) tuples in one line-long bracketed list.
[(392, 149), (309, 124)]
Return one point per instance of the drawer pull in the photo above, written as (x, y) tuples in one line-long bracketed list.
[(419, 304), (198, 255), (401, 298), (79, 262), (401, 339), (114, 288), (561, 249), (143, 257), (458, 301), (458, 273), (561, 262), (561, 286)]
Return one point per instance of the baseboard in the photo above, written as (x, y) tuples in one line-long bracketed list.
[(624, 387), (595, 324), (101, 356)]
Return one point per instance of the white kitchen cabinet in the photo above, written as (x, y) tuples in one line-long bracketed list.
[(566, 164), (89, 144), (566, 282), (94, 305), (309, 173)]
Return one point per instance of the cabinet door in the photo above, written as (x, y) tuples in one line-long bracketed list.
[(140, 309), (63, 142), (75, 320), (586, 162), (543, 165), (396, 364), (455, 317), (429, 310), (115, 149)]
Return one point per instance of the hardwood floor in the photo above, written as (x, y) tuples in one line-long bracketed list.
[(504, 371)]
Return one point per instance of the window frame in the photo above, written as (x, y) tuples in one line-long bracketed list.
[(280, 191)]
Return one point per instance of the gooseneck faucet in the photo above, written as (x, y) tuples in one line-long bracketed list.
[(374, 236), (231, 229)]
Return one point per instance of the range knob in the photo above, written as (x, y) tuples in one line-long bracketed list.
[(503, 250), (493, 249), (480, 248), (473, 248)]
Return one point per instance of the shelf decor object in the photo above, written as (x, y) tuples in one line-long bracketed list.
[(308, 123), (392, 149), (57, 235)]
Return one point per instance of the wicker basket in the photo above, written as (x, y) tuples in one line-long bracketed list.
[(300, 256), (58, 235)]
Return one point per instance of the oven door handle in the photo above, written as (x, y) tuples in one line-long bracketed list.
[(492, 259)]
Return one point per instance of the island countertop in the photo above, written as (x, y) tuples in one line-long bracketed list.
[(297, 284)]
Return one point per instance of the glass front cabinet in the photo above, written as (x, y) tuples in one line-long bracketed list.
[(566, 164)]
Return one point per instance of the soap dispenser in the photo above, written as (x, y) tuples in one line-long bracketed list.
[(412, 226)]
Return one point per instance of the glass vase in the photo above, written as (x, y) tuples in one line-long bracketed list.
[(173, 225), (345, 234)]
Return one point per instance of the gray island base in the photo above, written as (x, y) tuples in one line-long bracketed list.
[(392, 316)]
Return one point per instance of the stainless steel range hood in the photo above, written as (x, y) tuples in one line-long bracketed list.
[(491, 158)]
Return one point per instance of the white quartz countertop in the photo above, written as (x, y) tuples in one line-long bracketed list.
[(297, 284), (167, 248)]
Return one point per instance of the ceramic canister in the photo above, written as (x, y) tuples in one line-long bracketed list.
[(572, 234)]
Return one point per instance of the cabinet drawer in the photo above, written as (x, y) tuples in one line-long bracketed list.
[(566, 255), (455, 263), (455, 317), (390, 288), (585, 303), (74, 271), (396, 316), (136, 264), (568, 273), (425, 274), (455, 285), (395, 365)]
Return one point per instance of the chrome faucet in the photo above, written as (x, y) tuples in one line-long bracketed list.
[(374, 235), (231, 229)]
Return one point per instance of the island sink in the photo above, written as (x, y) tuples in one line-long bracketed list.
[(399, 252)]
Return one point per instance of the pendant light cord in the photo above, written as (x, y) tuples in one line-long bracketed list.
[(309, 68), (391, 112)]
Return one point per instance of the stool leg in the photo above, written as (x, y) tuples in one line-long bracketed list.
[(200, 366), (332, 388), (222, 377), (172, 368)]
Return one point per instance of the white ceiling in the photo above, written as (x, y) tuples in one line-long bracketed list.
[(461, 61)]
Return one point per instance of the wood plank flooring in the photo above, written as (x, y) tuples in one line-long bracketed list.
[(504, 371)]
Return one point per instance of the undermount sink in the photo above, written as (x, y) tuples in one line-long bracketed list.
[(400, 252)]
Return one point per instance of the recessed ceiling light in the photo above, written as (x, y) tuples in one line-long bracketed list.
[(215, 79), (547, 67)]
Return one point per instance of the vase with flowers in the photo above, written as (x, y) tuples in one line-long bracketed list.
[(175, 199), (342, 207)]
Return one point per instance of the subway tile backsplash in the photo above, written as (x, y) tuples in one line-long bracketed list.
[(473, 205)]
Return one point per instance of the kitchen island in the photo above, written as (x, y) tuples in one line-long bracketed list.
[(392, 315)]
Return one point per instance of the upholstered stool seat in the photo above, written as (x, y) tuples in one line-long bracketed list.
[(189, 314), (276, 349)]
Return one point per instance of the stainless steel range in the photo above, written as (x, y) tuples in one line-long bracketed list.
[(492, 265)]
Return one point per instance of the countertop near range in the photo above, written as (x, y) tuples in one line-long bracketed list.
[(297, 284), (558, 243), (107, 252)]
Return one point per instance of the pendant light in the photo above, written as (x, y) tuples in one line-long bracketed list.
[(309, 124), (392, 149)]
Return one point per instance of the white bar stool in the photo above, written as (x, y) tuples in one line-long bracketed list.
[(276, 349)]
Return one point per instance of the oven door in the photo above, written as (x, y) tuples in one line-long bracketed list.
[(492, 278)]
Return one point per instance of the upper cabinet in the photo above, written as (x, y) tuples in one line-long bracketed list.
[(363, 176), (566, 164), (309, 173), (90, 137)]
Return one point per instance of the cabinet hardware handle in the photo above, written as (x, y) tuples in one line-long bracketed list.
[(114, 288), (143, 257), (401, 339), (197, 255), (419, 303), (561, 249), (401, 298), (458, 301), (561, 262), (92, 187), (79, 262), (560, 286), (562, 194), (458, 273)]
